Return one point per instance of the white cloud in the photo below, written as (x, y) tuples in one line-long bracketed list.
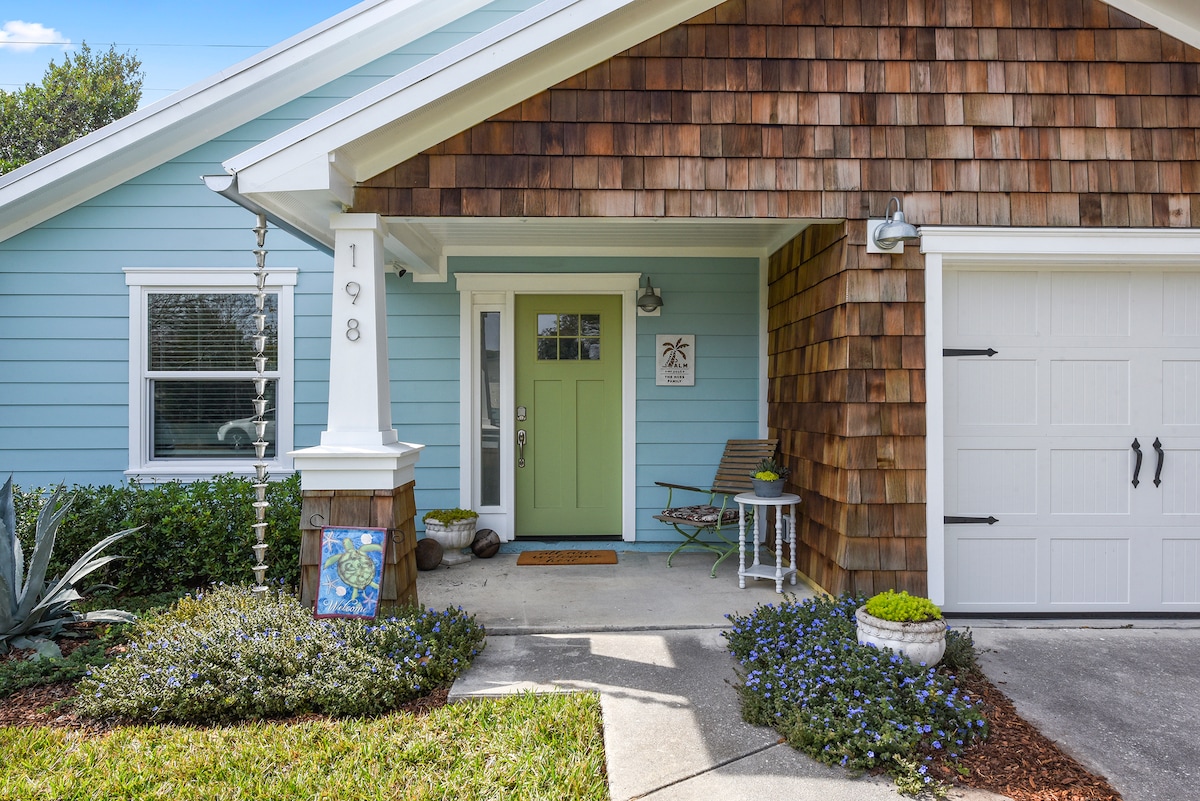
[(23, 37)]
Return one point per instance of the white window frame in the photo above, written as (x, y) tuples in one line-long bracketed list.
[(142, 283)]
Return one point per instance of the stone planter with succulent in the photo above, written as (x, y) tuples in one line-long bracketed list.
[(908, 624), (768, 477), (453, 529)]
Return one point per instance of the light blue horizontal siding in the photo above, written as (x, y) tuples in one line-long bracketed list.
[(64, 306)]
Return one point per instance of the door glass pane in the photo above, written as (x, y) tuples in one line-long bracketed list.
[(489, 383), (558, 337)]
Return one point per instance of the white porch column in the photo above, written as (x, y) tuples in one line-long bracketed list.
[(359, 449)]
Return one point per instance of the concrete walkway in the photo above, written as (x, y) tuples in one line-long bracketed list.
[(648, 640)]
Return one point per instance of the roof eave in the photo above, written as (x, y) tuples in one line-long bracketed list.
[(164, 130)]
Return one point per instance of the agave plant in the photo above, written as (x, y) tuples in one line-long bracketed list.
[(32, 610)]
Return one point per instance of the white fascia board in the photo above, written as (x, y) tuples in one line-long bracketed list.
[(990, 245), (1177, 18), (427, 104), (164, 130)]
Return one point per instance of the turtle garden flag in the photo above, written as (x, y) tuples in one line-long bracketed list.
[(351, 570)]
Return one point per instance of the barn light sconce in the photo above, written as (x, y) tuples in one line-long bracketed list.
[(649, 303), (889, 234)]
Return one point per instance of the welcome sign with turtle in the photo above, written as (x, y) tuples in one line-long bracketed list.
[(351, 569)]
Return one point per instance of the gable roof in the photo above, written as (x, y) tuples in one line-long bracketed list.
[(303, 175), (164, 130)]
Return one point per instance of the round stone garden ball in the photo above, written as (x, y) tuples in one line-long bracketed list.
[(429, 553), (486, 543)]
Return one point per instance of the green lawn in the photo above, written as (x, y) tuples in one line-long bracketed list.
[(524, 747)]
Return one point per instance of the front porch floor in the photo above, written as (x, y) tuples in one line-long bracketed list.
[(638, 593)]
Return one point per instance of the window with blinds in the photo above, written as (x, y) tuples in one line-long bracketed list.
[(200, 372)]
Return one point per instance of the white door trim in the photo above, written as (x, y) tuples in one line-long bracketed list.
[(497, 291), (956, 247)]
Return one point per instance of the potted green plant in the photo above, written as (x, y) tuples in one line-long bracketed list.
[(768, 477), (453, 529), (908, 624)]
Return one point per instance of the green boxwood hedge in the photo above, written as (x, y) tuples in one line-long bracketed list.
[(193, 534)]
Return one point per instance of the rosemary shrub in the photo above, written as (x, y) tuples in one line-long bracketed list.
[(229, 655)]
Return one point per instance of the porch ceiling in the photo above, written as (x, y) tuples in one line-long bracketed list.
[(431, 240)]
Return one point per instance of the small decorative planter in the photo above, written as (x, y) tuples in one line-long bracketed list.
[(454, 535), (767, 489), (918, 642), (768, 477)]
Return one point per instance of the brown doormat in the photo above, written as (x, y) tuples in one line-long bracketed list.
[(567, 558)]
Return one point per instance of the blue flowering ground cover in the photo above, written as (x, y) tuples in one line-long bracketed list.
[(805, 674), (229, 654)]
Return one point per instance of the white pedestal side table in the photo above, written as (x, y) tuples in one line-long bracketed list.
[(785, 529)]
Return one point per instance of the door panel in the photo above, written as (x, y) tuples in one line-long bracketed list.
[(1040, 436), (568, 378)]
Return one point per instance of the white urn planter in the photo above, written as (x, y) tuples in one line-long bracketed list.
[(454, 538), (918, 642)]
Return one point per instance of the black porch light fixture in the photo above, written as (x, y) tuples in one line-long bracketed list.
[(889, 234), (649, 301)]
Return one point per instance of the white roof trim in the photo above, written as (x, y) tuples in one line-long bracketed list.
[(159, 132), (1177, 18), (300, 175)]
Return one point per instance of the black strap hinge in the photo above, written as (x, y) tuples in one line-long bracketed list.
[(969, 352), (989, 520)]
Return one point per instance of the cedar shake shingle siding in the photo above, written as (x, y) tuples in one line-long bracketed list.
[(975, 112)]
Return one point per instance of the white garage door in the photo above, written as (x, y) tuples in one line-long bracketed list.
[(1079, 437)]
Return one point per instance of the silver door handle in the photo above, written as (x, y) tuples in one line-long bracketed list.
[(521, 448)]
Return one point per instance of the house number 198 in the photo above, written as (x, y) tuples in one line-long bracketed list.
[(353, 333)]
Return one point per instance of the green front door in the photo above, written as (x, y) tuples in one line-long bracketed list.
[(568, 365)]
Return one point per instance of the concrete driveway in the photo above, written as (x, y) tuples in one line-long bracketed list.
[(1123, 701)]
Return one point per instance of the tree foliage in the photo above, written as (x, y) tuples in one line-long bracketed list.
[(88, 90)]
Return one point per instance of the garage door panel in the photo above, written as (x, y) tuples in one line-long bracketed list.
[(995, 303), (993, 571), (1180, 388), (1181, 305), (1089, 392), (1090, 481), (1180, 480), (1089, 571), (1180, 571), (997, 391), (994, 481), (1089, 304)]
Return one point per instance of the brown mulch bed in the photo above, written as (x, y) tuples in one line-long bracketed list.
[(1018, 761)]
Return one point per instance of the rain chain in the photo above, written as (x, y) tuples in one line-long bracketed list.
[(260, 411)]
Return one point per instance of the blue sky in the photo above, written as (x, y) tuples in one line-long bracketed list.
[(178, 43)]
